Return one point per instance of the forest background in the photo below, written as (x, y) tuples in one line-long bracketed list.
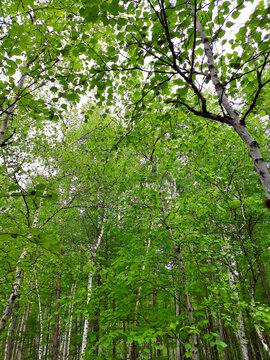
[(135, 191)]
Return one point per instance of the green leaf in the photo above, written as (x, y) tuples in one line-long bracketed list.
[(235, 14)]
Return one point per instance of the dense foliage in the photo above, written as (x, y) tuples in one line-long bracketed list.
[(134, 187)]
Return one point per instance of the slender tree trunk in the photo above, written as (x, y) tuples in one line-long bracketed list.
[(241, 327), (177, 314), (132, 351), (19, 274), (67, 350), (133, 347), (46, 347), (55, 340), (177, 249), (10, 343), (86, 320), (222, 336), (124, 352), (9, 111), (40, 316), (260, 266), (14, 293), (20, 347), (96, 326), (193, 337), (259, 332), (78, 331), (158, 352), (93, 253)]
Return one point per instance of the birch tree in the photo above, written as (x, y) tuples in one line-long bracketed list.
[(172, 49)]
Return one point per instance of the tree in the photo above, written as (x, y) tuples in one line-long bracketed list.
[(131, 221)]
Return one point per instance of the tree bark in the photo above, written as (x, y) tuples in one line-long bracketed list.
[(55, 340), (241, 327), (40, 316), (21, 333), (9, 111), (259, 332), (86, 320), (67, 347), (93, 251), (177, 314), (11, 334), (18, 274), (259, 264)]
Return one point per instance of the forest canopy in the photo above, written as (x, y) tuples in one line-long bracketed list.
[(134, 182)]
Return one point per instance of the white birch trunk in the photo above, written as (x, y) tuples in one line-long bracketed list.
[(78, 329), (93, 250), (11, 108), (10, 343), (18, 274), (63, 342), (45, 347), (238, 126), (40, 316), (241, 327), (86, 321), (73, 292), (19, 352), (258, 330)]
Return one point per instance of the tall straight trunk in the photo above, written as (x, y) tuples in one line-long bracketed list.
[(259, 332), (158, 352), (86, 320), (19, 274), (262, 275), (133, 347), (255, 345), (67, 349), (10, 342), (235, 121), (93, 251), (96, 326), (48, 328), (78, 332), (241, 327), (222, 335), (124, 352), (259, 265), (65, 344), (132, 351), (20, 347), (40, 316), (177, 249), (193, 337), (177, 314), (55, 339)]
